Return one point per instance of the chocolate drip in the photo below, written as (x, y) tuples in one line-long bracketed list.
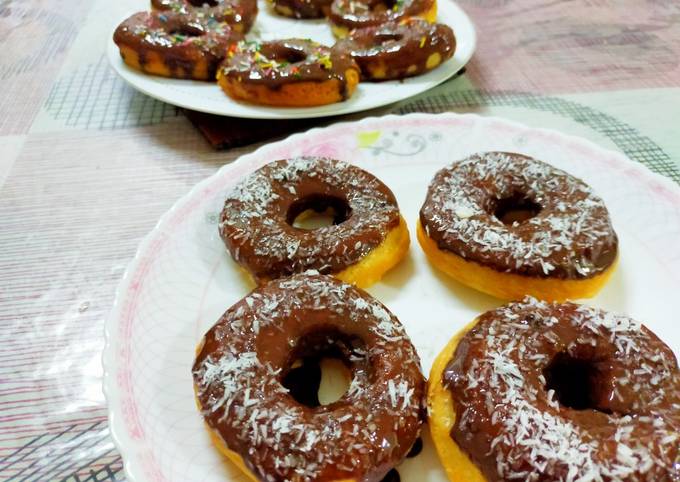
[(303, 382), (416, 449), (392, 476)]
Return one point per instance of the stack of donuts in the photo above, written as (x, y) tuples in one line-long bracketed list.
[(206, 40), (540, 389)]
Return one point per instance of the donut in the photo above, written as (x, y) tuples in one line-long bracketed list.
[(302, 8), (395, 50), (293, 72), (240, 383), (257, 224), (509, 225), (347, 15), (172, 44), (539, 392), (240, 14)]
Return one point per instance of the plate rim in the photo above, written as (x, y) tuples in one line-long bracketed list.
[(122, 440), (281, 113)]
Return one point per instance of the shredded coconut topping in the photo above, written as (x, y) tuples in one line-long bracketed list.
[(239, 383), (566, 238), (632, 431), (255, 228)]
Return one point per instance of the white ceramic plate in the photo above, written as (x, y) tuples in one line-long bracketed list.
[(208, 97), (182, 278)]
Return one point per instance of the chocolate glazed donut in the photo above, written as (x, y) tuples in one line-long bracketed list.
[(240, 14), (347, 15), (241, 367), (290, 72), (552, 392), (510, 226), (171, 44), (397, 50), (257, 220)]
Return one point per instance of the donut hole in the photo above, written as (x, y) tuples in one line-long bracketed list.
[(317, 381), (386, 37), (575, 382), (283, 53), (318, 211), (320, 372), (202, 3), (187, 30), (384, 6), (516, 208)]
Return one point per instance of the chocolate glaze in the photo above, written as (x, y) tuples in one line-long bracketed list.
[(353, 14), (416, 449), (511, 418), (570, 237), (276, 63), (180, 39), (256, 222), (240, 14), (392, 476), (239, 369), (302, 8), (402, 49)]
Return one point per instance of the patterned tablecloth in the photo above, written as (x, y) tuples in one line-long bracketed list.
[(87, 166)]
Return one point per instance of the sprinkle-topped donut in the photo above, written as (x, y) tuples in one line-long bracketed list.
[(302, 8), (171, 44), (240, 14), (368, 237), (396, 50), (347, 15), (243, 360), (499, 213), (557, 392), (292, 72)]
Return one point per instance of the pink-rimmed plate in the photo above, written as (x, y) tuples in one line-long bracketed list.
[(182, 279)]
